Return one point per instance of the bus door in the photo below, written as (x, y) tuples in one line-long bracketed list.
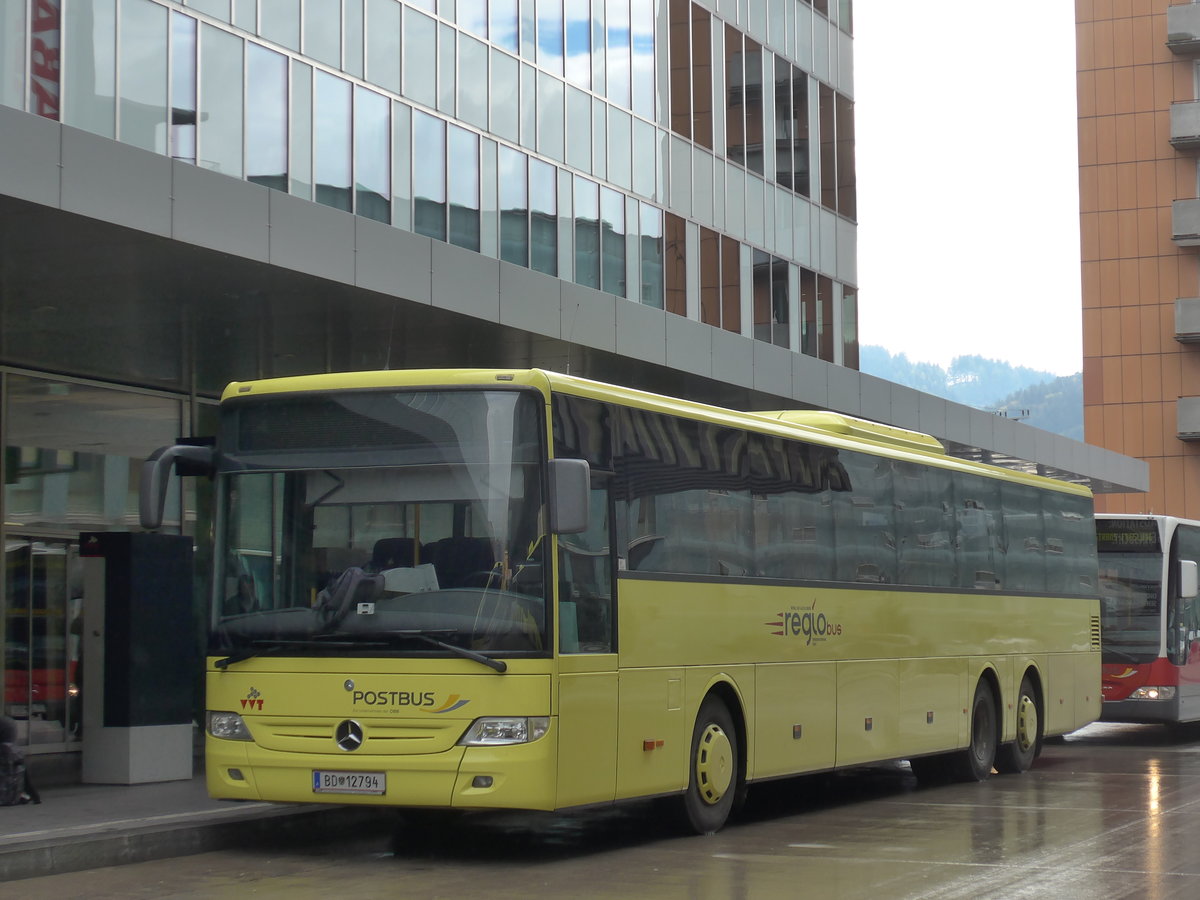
[(587, 663)]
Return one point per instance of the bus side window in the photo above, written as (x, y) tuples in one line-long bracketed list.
[(585, 589)]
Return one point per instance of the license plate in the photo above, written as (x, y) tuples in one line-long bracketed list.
[(326, 782)]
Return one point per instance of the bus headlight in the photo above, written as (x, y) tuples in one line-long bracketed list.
[(1165, 692), (228, 725), (505, 730)]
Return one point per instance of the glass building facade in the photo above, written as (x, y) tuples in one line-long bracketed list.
[(692, 157)]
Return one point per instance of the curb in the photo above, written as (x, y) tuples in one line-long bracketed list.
[(58, 853)]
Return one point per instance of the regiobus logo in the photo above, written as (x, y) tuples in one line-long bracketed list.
[(805, 622)]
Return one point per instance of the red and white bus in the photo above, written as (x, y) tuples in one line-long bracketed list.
[(1150, 618)]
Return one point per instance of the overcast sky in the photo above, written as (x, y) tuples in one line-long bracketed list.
[(968, 199)]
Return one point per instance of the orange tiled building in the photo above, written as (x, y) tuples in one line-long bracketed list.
[(1138, 64)]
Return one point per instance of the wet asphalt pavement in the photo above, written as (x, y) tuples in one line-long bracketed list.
[(1111, 812)]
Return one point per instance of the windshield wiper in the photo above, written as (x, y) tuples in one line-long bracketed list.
[(260, 646), (498, 664), (263, 645)]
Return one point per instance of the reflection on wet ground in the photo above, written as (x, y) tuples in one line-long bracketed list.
[(1112, 811)]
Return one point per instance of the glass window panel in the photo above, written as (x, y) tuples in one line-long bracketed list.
[(473, 82), (755, 212), (675, 268), (183, 88), (784, 126), (45, 46), (301, 139), (587, 232), (372, 155), (642, 62), (489, 208), (710, 277), (850, 327), (735, 97), (514, 207), (681, 67), (220, 127), (702, 81), (427, 5), (617, 58), (579, 42), (864, 521), (142, 111), (754, 106), (402, 165), (420, 58), (1024, 538), (620, 147), (599, 75), (828, 161), (781, 303), (643, 158), (550, 116), (579, 129), (612, 242), (543, 221), (383, 44), (502, 24), (762, 296), (245, 15), (323, 30), (504, 91), (731, 284), (464, 187), (528, 107), (447, 38), (651, 244), (808, 312), (473, 17), (429, 175), (12, 53), (599, 138), (331, 129), (279, 21), (218, 9), (847, 199), (528, 30), (90, 83), (266, 117), (352, 60), (550, 35), (825, 317)]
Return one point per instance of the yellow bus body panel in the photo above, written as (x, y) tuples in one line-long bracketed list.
[(412, 713)]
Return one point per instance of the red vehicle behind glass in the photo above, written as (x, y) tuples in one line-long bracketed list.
[(1150, 618)]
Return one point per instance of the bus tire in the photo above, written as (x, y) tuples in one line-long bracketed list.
[(1018, 756), (714, 778), (976, 761)]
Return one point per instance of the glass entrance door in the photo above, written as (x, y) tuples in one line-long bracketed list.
[(42, 669)]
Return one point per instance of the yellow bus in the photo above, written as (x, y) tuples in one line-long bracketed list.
[(478, 589)]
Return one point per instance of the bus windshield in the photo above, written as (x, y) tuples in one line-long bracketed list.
[(1131, 606), (381, 523)]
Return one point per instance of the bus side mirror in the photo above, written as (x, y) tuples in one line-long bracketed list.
[(152, 493), (1189, 581), (570, 491)]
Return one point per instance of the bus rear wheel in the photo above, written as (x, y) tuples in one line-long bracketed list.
[(1019, 755), (976, 761), (714, 771)]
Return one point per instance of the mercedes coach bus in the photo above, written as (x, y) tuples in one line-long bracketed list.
[(1150, 618), (524, 590)]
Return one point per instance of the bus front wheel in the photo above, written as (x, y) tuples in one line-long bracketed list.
[(714, 778), (1019, 755), (976, 761)]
